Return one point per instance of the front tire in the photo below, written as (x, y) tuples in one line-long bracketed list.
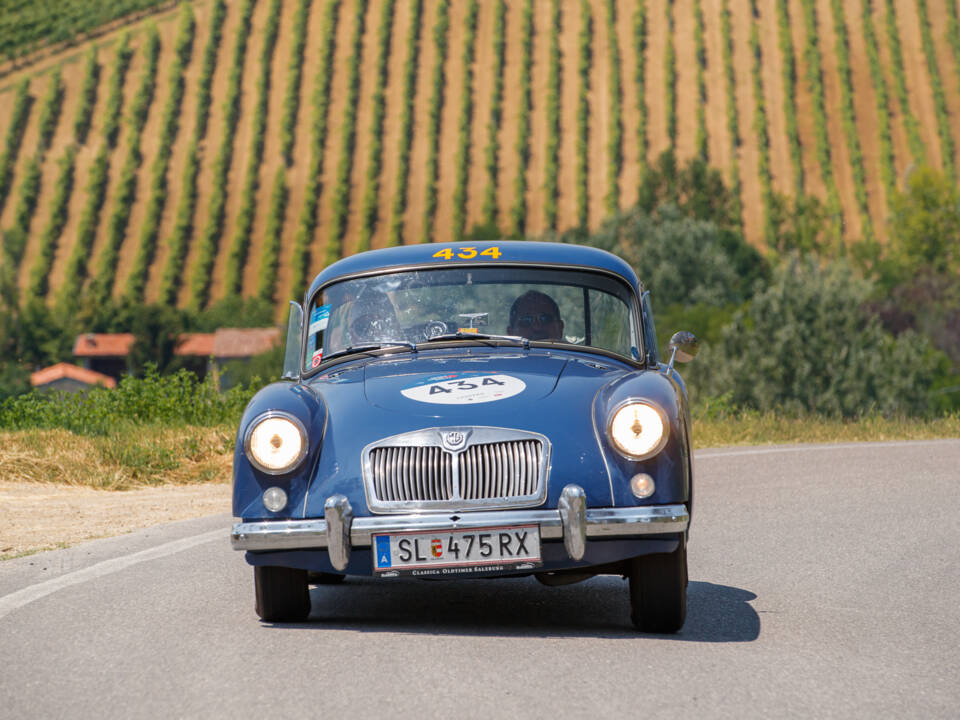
[(282, 593), (658, 590)]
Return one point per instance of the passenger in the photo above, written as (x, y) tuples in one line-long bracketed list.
[(373, 319), (535, 316)]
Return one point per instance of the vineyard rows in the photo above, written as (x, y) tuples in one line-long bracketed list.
[(212, 149)]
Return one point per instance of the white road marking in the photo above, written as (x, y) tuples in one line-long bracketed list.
[(16, 600), (705, 454)]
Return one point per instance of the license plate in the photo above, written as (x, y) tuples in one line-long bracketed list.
[(426, 552)]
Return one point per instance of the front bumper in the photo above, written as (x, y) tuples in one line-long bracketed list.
[(572, 521)]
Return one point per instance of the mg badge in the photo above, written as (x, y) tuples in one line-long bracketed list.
[(453, 440)]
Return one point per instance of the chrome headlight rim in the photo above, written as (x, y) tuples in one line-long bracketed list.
[(268, 415), (664, 436)]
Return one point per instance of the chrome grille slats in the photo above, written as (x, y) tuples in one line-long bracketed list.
[(482, 468)]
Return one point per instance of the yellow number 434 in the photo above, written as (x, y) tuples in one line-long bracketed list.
[(467, 253)]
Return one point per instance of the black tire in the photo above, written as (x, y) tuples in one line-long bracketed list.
[(658, 590), (282, 593), (324, 578)]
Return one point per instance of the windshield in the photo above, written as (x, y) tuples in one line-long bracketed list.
[(564, 306)]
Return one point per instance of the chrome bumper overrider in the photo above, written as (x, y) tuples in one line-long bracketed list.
[(572, 521)]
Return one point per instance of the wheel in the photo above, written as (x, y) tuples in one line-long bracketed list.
[(323, 578), (658, 590), (282, 593)]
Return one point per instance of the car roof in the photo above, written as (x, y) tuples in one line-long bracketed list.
[(511, 252)]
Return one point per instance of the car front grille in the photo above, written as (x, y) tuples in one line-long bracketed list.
[(487, 468)]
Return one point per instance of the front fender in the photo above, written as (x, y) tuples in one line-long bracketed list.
[(305, 404), (670, 468)]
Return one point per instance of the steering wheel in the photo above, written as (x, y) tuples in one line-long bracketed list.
[(433, 328)]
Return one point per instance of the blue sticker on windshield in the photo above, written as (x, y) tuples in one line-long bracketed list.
[(319, 319)]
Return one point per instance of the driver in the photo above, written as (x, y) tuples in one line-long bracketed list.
[(373, 319), (535, 316)]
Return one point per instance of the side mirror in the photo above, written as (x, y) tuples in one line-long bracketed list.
[(293, 351), (683, 347)]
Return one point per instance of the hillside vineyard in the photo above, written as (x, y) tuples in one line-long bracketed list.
[(216, 148)]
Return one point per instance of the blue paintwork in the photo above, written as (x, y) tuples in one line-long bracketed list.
[(568, 397), (511, 252)]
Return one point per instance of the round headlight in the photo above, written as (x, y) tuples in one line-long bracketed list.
[(638, 430), (276, 443)]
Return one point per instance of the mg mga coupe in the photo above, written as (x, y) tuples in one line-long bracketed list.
[(470, 410)]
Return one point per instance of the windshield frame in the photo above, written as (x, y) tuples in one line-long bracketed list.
[(634, 306)]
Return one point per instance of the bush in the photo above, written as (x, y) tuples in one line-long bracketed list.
[(639, 78), (615, 145), (172, 400), (785, 42), (210, 240), (462, 158), (270, 255), (11, 144), (491, 153), (291, 98), (441, 43), (887, 168), (233, 275), (947, 147), (50, 111), (805, 344), (318, 135), (670, 78), (88, 97), (553, 130), (112, 112), (369, 211), (348, 138), (584, 59), (40, 274), (395, 236), (897, 66)]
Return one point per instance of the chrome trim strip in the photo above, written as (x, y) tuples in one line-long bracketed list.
[(600, 523)]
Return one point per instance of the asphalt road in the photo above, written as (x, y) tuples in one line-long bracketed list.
[(824, 582)]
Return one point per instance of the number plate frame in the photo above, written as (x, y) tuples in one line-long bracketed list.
[(418, 555)]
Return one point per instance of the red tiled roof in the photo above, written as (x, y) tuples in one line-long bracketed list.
[(103, 345), (195, 344), (244, 342), (74, 372)]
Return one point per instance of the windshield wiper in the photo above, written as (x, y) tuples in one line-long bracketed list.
[(370, 347), (460, 335)]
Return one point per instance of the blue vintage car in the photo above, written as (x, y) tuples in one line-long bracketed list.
[(470, 410)]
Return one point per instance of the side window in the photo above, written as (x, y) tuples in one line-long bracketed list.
[(649, 331), (610, 323)]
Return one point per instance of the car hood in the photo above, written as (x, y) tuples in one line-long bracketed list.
[(544, 391), (452, 386)]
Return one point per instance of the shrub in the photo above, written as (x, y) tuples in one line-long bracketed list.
[(670, 78), (639, 78), (318, 134), (101, 286), (785, 41), (700, 49), (76, 271), (615, 145), (440, 42), (11, 144), (760, 128), (50, 111), (40, 274), (210, 240), (804, 344), (291, 98), (348, 138), (462, 159), (233, 276), (491, 153), (172, 277), (395, 235), (584, 59), (27, 204), (897, 66), (371, 194), (887, 168), (170, 125), (88, 97), (553, 127), (114, 107), (733, 125), (270, 256), (947, 148)]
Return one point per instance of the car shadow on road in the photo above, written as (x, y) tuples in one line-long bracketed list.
[(521, 607)]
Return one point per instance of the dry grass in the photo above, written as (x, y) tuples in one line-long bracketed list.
[(770, 428), (123, 460)]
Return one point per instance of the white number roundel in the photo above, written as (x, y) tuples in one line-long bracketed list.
[(464, 388)]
